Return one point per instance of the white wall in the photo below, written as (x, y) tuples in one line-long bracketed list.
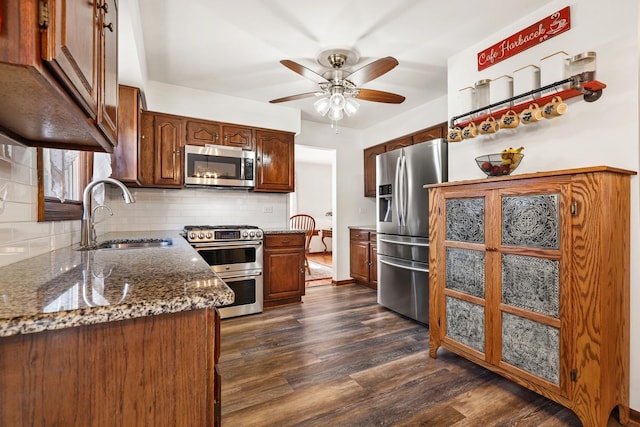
[(313, 197), (350, 205), (422, 117), (600, 133), (188, 102)]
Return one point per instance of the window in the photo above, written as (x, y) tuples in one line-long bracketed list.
[(62, 177)]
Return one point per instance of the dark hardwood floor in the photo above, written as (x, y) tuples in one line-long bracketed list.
[(339, 359)]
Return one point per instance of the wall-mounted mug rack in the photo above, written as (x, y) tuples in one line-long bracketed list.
[(591, 91)]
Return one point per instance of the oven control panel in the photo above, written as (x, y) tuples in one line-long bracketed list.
[(206, 234)]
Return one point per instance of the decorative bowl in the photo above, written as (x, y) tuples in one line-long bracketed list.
[(499, 164)]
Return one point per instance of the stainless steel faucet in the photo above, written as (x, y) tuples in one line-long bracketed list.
[(87, 230)]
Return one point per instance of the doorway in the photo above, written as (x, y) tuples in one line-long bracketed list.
[(315, 196)]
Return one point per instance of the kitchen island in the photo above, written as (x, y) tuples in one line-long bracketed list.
[(111, 337)]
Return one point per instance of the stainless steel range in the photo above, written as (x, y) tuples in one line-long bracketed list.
[(235, 253)]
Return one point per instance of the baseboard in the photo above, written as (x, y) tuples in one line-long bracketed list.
[(634, 417), (342, 282)]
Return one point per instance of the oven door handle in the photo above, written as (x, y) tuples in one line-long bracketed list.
[(233, 245), (239, 276)]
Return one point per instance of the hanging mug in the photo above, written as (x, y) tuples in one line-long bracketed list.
[(509, 120), (555, 107), (455, 134), (489, 126), (531, 114), (470, 131)]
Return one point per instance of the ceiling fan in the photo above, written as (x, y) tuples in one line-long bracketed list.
[(339, 87)]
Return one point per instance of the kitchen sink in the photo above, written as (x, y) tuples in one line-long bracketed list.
[(135, 243)]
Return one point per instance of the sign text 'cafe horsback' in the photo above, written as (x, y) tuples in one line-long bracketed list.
[(543, 30)]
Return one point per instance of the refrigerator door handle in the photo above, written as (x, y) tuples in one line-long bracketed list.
[(405, 189), (395, 242), (396, 191), (406, 267)]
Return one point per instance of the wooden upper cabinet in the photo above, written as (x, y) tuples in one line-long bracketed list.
[(398, 143), (201, 132), (434, 132), (370, 169), (168, 136), (429, 134), (162, 137), (62, 63), (108, 100), (71, 47), (125, 159), (275, 158), (238, 136)]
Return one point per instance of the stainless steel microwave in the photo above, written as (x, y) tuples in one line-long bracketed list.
[(219, 166)]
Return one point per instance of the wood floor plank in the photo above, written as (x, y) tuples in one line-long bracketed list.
[(340, 359)]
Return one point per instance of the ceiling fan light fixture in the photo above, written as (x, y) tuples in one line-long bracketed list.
[(322, 106), (337, 101), (336, 114), (351, 106)]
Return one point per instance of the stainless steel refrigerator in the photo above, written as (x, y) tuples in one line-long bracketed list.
[(402, 212)]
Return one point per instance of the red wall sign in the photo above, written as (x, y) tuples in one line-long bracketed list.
[(551, 26)]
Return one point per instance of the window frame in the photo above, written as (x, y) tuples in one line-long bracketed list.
[(51, 208)]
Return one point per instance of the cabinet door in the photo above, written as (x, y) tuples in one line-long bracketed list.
[(125, 157), (237, 136), (359, 255), (534, 284), (284, 266), (429, 134), (168, 135), (370, 154), (70, 48), (108, 67), (464, 302), (202, 132), (373, 261), (275, 159), (405, 141)]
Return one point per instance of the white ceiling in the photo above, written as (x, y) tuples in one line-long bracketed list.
[(233, 47)]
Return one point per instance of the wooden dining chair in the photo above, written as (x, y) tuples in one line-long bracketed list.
[(307, 223)]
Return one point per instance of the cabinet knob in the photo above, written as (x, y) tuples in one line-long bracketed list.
[(177, 152), (109, 26), (104, 6)]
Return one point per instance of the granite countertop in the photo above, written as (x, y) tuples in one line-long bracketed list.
[(363, 227), (281, 231), (67, 287)]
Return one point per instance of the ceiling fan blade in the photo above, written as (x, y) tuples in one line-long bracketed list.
[(303, 71), (372, 71), (294, 97), (379, 96)]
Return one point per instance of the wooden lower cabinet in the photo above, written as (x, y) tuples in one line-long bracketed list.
[(363, 256), (529, 277), (150, 371), (283, 268)]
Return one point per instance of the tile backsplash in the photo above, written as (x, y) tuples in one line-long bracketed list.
[(21, 235), (173, 209)]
